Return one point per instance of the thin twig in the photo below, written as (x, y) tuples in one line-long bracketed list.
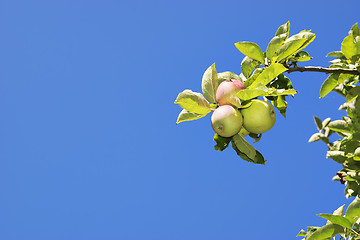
[(324, 70)]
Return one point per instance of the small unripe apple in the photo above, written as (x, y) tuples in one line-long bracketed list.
[(259, 117), (226, 92), (226, 121)]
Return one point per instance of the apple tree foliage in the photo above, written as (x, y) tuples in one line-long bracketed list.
[(263, 74)]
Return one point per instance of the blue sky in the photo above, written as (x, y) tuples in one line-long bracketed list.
[(89, 148)]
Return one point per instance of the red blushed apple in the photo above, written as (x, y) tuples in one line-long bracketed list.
[(226, 92), (226, 121)]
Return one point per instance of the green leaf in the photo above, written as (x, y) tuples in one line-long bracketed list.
[(350, 47), (329, 84), (316, 137), (350, 145), (340, 126), (301, 56), (326, 122), (210, 83), (353, 211), (248, 94), (302, 233), (269, 74), (281, 92), (337, 156), (251, 79), (336, 219), (355, 30), (327, 231), (307, 35), (275, 44), (255, 136), (338, 54), (353, 94), (285, 28), (288, 48), (193, 102), (246, 151), (262, 91), (280, 103), (310, 230), (243, 146), (251, 50), (345, 77), (339, 211), (281, 82), (318, 123), (221, 142), (223, 76), (248, 65), (188, 116)]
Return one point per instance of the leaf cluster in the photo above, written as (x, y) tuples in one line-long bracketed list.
[(346, 149), (347, 225)]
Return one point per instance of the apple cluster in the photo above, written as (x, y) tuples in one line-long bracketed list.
[(231, 117)]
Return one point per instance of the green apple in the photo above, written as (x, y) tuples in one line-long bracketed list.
[(226, 92), (259, 117), (226, 121)]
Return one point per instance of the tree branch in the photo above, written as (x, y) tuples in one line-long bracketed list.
[(324, 70)]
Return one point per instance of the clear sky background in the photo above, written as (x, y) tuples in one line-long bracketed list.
[(89, 148)]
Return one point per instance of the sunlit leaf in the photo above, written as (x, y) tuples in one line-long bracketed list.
[(251, 50), (355, 30), (285, 28), (251, 79), (350, 47), (340, 126), (329, 84), (302, 233), (188, 116), (269, 74), (288, 48), (309, 36), (275, 44), (248, 94), (337, 219), (248, 65), (280, 103), (353, 211), (301, 56), (327, 231), (193, 102), (316, 137), (337, 156), (210, 83), (353, 94), (326, 122), (335, 54)]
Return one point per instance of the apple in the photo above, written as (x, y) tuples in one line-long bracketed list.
[(226, 92), (226, 121), (259, 117)]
